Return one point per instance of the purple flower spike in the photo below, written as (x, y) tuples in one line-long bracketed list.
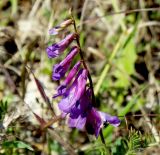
[(74, 93), (60, 69), (77, 97), (113, 120), (63, 87), (57, 48)]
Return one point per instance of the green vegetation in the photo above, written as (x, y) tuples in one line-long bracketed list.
[(121, 45)]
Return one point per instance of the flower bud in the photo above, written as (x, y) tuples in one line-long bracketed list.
[(61, 27), (58, 48)]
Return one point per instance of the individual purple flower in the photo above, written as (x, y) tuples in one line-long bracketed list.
[(60, 69), (84, 116), (91, 120), (57, 48), (78, 113), (96, 119), (74, 93), (63, 87), (61, 27)]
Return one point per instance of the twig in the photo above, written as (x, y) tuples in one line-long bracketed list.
[(34, 8), (23, 71), (42, 91), (102, 138), (119, 12), (126, 123), (83, 12), (141, 115)]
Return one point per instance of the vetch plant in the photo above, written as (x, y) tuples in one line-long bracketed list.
[(78, 98)]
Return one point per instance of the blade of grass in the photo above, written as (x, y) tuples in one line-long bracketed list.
[(14, 7), (125, 37), (17, 144), (42, 92), (107, 66), (23, 70)]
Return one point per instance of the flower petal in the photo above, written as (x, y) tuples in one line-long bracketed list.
[(113, 120), (72, 73), (94, 122), (78, 123)]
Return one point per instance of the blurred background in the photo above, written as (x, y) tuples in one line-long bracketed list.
[(121, 44)]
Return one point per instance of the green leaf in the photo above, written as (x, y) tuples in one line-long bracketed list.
[(125, 62), (120, 147), (16, 144), (125, 65)]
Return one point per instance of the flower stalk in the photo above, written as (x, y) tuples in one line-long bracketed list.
[(82, 59), (89, 75)]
